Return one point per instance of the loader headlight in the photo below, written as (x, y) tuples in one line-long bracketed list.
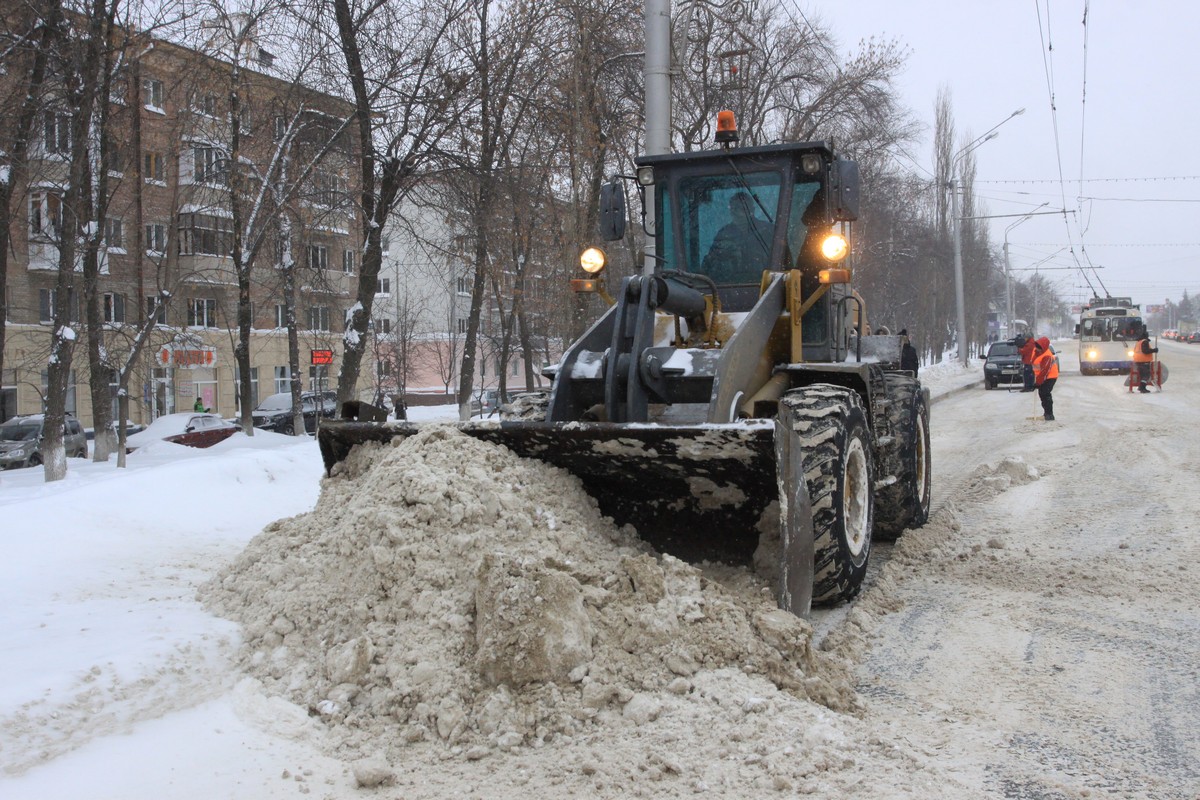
[(592, 260), (831, 276), (835, 247)]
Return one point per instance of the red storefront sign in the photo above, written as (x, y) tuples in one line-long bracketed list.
[(187, 357), (322, 357)]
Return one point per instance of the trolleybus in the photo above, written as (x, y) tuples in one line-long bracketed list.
[(1108, 329)]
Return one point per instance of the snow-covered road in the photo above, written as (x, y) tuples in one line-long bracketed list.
[(1040, 638)]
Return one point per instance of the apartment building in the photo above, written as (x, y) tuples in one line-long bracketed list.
[(423, 304), (182, 184)]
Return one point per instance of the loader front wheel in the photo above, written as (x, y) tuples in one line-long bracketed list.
[(904, 503), (839, 469)]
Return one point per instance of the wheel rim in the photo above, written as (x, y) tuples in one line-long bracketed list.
[(856, 498), (922, 465)]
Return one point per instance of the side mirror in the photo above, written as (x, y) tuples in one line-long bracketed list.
[(189, 429), (845, 190), (612, 211)]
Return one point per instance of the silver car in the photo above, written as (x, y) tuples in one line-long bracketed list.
[(21, 440)]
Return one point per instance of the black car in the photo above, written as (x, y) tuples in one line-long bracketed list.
[(275, 413), (1002, 364)]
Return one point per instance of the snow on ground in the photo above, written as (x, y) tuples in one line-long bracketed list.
[(117, 682)]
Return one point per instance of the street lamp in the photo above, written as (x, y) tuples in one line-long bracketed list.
[(1008, 295), (958, 270)]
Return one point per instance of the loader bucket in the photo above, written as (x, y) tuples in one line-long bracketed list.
[(696, 492)]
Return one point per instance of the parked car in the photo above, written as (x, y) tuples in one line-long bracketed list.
[(21, 440), (275, 413), (1002, 364), (1193, 337), (189, 428)]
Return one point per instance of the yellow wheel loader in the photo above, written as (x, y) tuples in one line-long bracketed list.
[(732, 404)]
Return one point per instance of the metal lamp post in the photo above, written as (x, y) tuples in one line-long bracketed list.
[(961, 333)]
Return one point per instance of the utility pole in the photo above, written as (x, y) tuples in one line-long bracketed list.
[(658, 104), (961, 333)]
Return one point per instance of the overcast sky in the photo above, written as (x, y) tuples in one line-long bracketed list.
[(1124, 118)]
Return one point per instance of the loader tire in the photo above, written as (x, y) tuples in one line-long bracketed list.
[(527, 407), (904, 503), (840, 472)]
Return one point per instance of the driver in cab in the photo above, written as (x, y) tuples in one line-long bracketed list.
[(741, 250)]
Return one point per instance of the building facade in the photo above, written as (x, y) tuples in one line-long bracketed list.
[(190, 180)]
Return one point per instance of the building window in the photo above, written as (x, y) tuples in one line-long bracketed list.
[(156, 238), (318, 257), (70, 406), (463, 287), (209, 165), (57, 129), (280, 127), (462, 326), (152, 94), (205, 234), (283, 380), (46, 302), (383, 286), (349, 261), (114, 234), (237, 387), (280, 315), (114, 307), (45, 216), (154, 168), (385, 368), (382, 325), (328, 189), (205, 104), (318, 318), (202, 313), (156, 310), (318, 379)]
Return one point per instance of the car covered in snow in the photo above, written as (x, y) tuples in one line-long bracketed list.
[(193, 429), (21, 440)]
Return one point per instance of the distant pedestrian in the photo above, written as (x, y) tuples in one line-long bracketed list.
[(1027, 347), (908, 354), (1045, 374), (1143, 356), (198, 406)]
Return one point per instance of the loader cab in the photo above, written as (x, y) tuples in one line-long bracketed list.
[(731, 214)]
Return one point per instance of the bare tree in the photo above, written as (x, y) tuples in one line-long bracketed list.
[(24, 54), (405, 84)]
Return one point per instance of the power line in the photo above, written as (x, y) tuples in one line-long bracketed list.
[(1099, 180), (1094, 244)]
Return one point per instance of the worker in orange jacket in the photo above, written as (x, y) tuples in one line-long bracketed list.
[(1026, 347), (1045, 374), (1143, 357)]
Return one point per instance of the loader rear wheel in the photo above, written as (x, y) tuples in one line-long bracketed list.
[(839, 469), (904, 503)]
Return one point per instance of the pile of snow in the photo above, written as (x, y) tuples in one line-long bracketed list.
[(445, 590)]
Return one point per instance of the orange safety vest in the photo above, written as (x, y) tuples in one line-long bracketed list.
[(1027, 350), (1045, 366), (1139, 356)]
